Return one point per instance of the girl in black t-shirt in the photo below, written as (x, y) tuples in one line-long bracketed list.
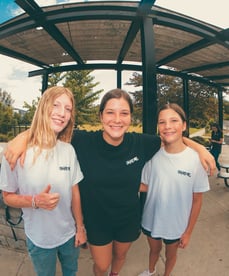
[(216, 143)]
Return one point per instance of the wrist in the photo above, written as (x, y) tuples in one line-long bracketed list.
[(34, 202), (80, 228)]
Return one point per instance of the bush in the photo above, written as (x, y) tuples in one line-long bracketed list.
[(3, 138), (205, 142), (6, 137)]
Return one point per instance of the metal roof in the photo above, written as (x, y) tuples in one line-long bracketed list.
[(107, 35)]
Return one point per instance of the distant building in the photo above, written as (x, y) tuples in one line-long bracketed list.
[(19, 110)]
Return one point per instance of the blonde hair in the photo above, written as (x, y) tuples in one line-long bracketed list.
[(41, 134)]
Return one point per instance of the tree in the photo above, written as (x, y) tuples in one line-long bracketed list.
[(203, 107), (6, 98), (30, 110), (202, 100), (226, 108), (81, 84), (136, 81), (56, 78), (6, 116)]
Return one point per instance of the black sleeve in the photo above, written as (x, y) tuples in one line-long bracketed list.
[(152, 144), (77, 136)]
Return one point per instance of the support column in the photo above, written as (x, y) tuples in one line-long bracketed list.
[(220, 107), (186, 101), (44, 82), (149, 78), (119, 78)]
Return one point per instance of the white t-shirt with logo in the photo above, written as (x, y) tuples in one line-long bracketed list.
[(60, 168), (172, 179)]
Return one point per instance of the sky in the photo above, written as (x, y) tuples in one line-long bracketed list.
[(14, 73)]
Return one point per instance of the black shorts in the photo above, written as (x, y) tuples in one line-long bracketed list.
[(104, 233), (166, 241)]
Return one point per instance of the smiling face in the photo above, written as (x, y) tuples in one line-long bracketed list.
[(61, 113), (171, 127), (116, 119)]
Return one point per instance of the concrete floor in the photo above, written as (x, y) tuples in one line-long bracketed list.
[(206, 255)]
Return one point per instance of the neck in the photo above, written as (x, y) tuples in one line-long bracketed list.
[(175, 147), (112, 141)]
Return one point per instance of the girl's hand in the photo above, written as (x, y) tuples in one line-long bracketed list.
[(81, 238), (184, 240), (47, 200)]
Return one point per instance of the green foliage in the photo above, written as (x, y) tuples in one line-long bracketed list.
[(4, 138), (30, 110), (226, 107), (57, 77), (203, 141), (6, 117), (203, 103), (81, 84), (5, 98)]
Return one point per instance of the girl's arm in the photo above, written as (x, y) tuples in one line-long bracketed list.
[(143, 187), (44, 199), (16, 148), (80, 238), (17, 201), (207, 160), (196, 206)]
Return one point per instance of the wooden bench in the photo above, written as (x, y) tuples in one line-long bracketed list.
[(224, 175)]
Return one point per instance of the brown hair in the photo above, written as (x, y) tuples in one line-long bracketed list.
[(115, 94), (179, 110)]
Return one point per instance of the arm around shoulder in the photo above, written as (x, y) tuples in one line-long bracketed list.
[(16, 148), (207, 160)]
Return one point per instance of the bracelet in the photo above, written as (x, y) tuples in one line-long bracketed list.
[(34, 206)]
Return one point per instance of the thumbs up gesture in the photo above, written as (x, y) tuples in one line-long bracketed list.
[(47, 200)]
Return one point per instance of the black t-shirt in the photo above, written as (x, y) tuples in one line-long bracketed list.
[(112, 174), (216, 136)]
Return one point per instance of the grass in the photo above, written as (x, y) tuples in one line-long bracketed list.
[(99, 127), (132, 128)]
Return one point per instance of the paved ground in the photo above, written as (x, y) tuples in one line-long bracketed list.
[(207, 254)]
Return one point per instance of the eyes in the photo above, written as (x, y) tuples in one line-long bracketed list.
[(172, 121), (58, 107), (124, 113)]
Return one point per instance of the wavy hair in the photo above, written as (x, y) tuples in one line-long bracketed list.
[(41, 135)]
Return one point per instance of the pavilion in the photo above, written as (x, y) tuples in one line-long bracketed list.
[(120, 35)]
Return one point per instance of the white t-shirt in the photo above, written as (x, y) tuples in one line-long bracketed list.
[(46, 229), (172, 179)]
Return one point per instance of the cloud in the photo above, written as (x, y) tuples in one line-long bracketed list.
[(14, 73), (14, 80)]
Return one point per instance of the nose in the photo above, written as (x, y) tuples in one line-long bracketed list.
[(61, 111), (117, 117), (167, 124)]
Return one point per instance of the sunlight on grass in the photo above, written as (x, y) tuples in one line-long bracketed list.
[(99, 127), (132, 128)]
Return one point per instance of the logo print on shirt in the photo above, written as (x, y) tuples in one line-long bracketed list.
[(131, 161), (64, 168), (184, 173)]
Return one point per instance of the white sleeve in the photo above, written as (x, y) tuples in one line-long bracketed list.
[(8, 178)]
